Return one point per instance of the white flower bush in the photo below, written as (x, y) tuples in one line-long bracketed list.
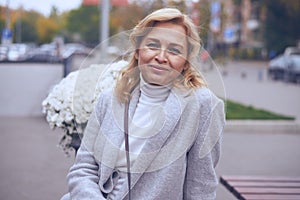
[(71, 101)]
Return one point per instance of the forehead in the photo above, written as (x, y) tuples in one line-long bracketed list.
[(169, 32)]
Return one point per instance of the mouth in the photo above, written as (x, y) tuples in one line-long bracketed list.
[(158, 68)]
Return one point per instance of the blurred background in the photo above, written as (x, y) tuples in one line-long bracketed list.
[(247, 42), (238, 29), (250, 57)]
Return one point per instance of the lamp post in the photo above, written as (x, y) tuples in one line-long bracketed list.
[(7, 15), (104, 6)]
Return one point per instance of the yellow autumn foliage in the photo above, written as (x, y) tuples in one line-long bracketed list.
[(46, 29)]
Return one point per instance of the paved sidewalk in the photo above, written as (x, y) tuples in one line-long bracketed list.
[(263, 126), (255, 153), (33, 167)]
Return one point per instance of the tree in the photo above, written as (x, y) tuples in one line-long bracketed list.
[(47, 29), (204, 11), (2, 24), (24, 26), (2, 18), (83, 24), (179, 4), (282, 24), (132, 13), (54, 13), (28, 31)]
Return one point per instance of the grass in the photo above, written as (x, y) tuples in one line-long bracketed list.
[(236, 111)]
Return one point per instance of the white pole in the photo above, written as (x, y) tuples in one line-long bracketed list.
[(104, 26), (7, 15)]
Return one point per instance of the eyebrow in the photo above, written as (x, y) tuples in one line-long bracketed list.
[(156, 40)]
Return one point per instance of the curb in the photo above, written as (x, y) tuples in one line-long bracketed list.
[(263, 126)]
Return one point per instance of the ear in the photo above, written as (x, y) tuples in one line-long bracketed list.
[(185, 65), (136, 54)]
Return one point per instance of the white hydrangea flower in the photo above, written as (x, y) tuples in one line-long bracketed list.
[(71, 101)]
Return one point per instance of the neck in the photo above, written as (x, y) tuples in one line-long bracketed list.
[(154, 94)]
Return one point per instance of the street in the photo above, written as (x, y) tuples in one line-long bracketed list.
[(24, 86), (247, 83)]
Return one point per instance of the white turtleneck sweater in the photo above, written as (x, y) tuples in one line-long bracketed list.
[(149, 106)]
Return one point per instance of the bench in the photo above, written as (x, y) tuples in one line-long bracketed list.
[(262, 187)]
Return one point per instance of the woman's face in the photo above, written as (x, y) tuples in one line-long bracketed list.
[(162, 53)]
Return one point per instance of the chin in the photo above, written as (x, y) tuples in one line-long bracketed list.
[(159, 82)]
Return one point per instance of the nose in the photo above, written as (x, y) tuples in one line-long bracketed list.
[(161, 56)]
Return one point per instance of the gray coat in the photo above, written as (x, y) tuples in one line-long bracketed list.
[(177, 161)]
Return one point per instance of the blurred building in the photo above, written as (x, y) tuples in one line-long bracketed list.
[(235, 27), (242, 23)]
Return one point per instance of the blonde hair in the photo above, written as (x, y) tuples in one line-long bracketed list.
[(129, 77)]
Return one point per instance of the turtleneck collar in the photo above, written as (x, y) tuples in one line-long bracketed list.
[(153, 94)]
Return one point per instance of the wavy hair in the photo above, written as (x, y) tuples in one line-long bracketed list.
[(129, 77)]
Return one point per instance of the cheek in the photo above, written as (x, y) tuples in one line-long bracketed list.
[(178, 63), (144, 56)]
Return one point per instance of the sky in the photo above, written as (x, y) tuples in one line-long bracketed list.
[(42, 6)]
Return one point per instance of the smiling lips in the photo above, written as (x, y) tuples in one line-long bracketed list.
[(158, 68)]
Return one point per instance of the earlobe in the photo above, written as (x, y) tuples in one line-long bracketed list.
[(136, 55), (185, 66)]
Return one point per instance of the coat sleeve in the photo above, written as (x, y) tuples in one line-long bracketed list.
[(83, 176), (201, 179)]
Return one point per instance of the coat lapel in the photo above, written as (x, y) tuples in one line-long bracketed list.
[(109, 140), (175, 104)]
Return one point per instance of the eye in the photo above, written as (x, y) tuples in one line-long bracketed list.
[(174, 50), (153, 45)]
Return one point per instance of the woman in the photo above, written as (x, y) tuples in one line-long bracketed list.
[(158, 132)]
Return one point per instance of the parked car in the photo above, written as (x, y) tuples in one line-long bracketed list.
[(45, 53), (3, 52), (277, 67), (74, 49), (18, 52), (285, 67), (292, 51), (292, 71)]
